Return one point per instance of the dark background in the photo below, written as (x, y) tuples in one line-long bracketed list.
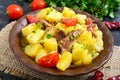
[(26, 6)]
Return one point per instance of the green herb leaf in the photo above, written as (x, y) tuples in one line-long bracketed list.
[(98, 8), (71, 37), (48, 36), (33, 31)]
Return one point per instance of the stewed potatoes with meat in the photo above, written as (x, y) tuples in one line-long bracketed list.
[(60, 39)]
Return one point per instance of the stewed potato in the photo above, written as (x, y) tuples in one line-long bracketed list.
[(28, 29), (50, 44), (60, 39), (32, 50), (68, 13), (35, 36), (65, 61), (40, 53)]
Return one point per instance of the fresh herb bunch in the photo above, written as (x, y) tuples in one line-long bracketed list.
[(98, 8)]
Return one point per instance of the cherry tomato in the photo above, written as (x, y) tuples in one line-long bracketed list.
[(49, 60), (70, 21), (32, 19), (14, 11), (38, 4), (89, 21)]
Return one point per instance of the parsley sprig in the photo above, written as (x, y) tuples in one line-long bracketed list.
[(98, 8)]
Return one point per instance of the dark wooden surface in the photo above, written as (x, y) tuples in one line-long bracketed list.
[(26, 6)]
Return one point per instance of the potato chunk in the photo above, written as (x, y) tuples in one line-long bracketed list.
[(81, 18), (98, 45), (68, 13), (54, 16), (31, 50), (99, 34), (87, 59), (50, 44), (78, 63), (80, 55), (35, 37), (65, 61), (78, 52), (60, 26), (41, 53), (28, 29), (44, 12), (69, 29), (87, 39)]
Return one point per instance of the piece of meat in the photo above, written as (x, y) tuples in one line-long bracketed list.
[(91, 28), (75, 33), (59, 35), (66, 43), (47, 24)]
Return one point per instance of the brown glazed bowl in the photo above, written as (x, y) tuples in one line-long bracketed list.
[(15, 45)]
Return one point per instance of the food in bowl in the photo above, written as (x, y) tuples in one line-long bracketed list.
[(61, 39)]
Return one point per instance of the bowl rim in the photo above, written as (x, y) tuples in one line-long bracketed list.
[(14, 38)]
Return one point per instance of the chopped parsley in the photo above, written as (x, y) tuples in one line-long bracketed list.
[(58, 29), (48, 36), (39, 25), (42, 26), (78, 36), (71, 38), (33, 31)]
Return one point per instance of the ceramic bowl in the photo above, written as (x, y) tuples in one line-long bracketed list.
[(15, 45)]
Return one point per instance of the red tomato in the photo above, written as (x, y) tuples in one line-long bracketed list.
[(49, 60), (89, 21), (38, 4), (14, 11), (32, 19), (70, 21)]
